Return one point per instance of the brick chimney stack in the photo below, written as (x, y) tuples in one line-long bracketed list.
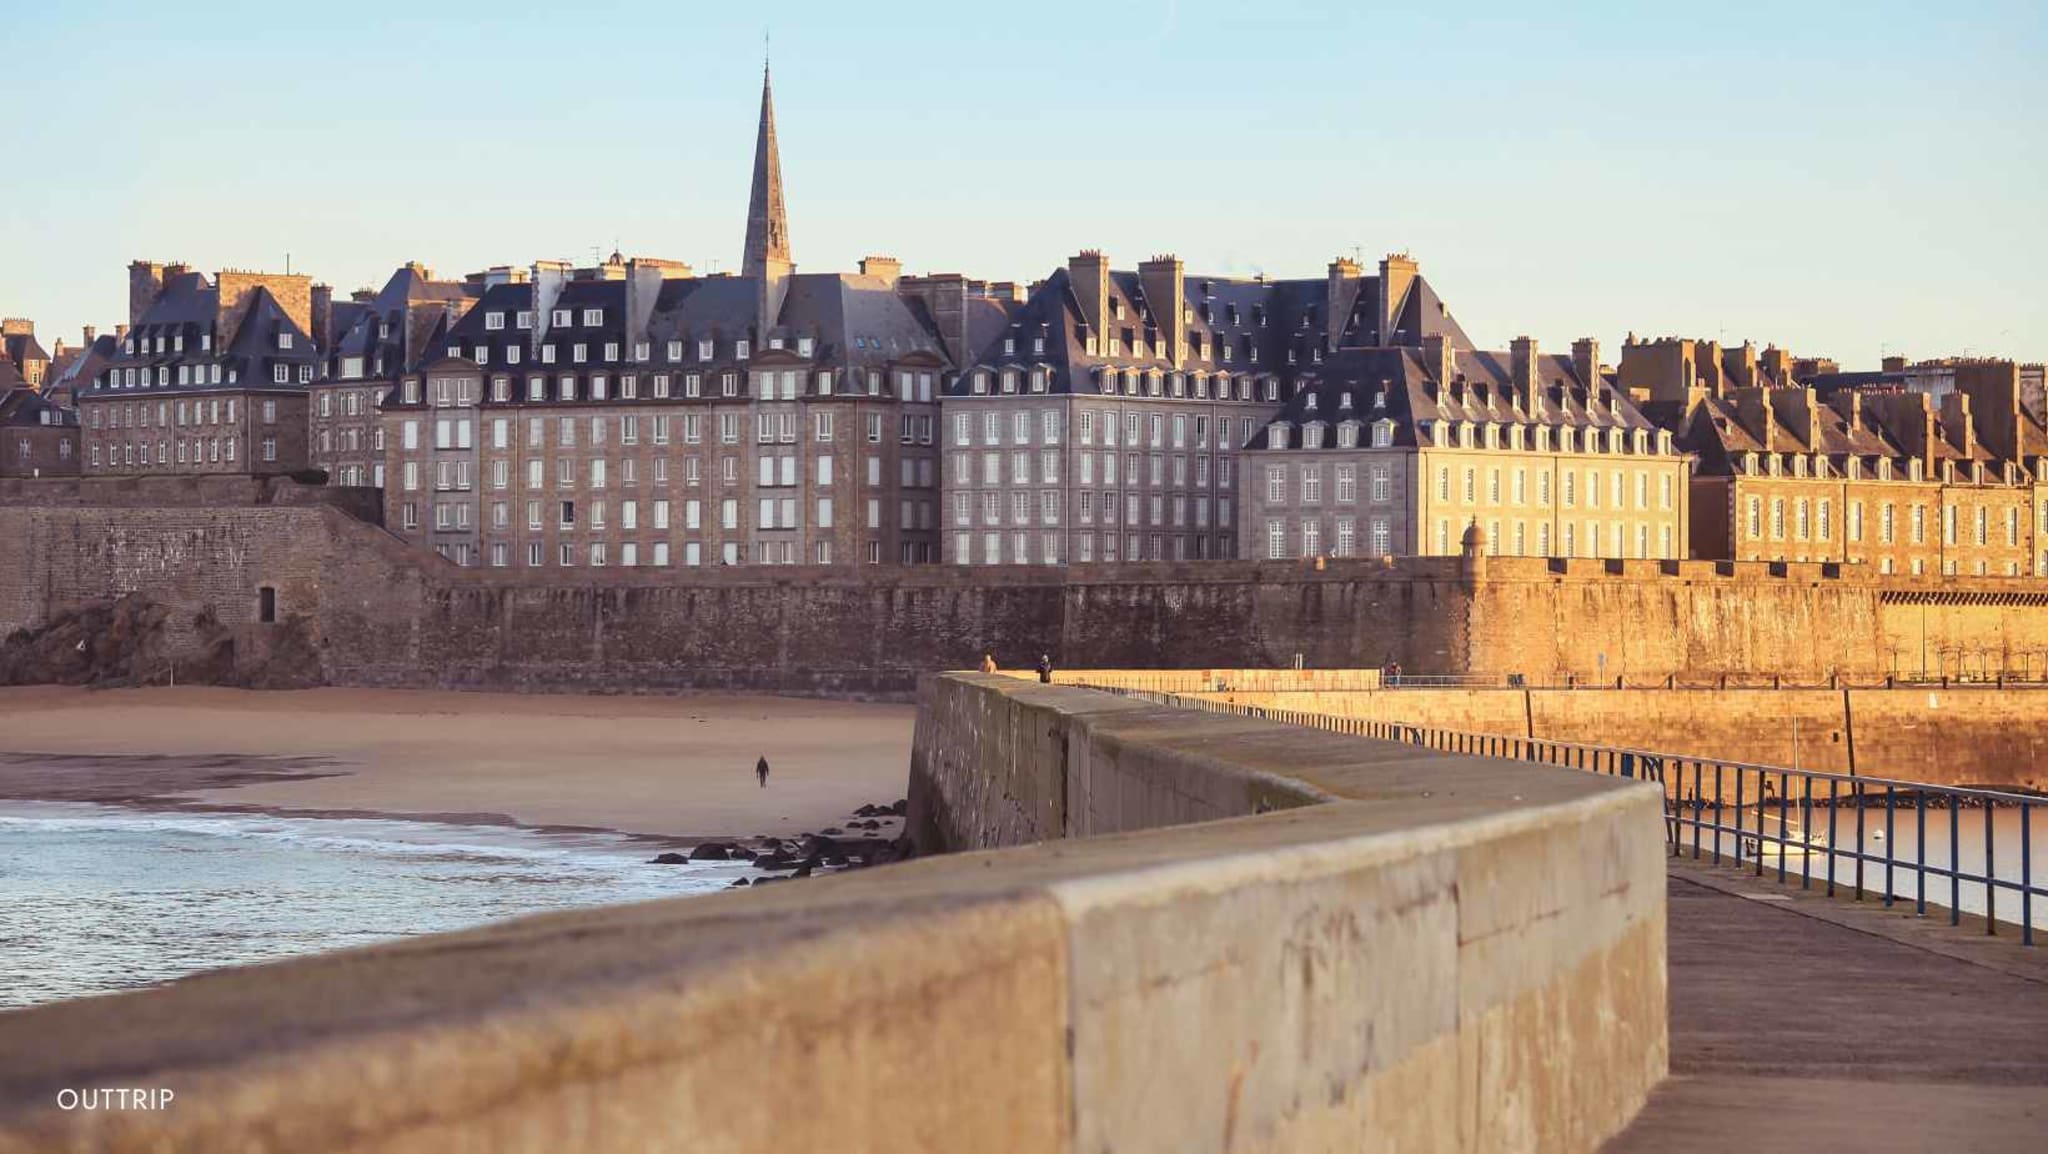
[(886, 268), (1397, 278), (145, 284), (1438, 358), (1524, 359), (1165, 281), (1088, 273), (1586, 360), (1346, 280)]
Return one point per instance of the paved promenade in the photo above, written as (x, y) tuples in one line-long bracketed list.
[(1809, 1024)]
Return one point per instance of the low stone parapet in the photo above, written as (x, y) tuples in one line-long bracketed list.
[(1356, 945)]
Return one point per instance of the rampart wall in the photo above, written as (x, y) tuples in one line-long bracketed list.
[(357, 606)]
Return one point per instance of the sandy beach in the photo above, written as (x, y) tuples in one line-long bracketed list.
[(669, 767)]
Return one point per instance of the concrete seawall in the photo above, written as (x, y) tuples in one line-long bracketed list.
[(1408, 951), (1966, 735)]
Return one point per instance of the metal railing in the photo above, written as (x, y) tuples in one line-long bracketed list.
[(1724, 810)]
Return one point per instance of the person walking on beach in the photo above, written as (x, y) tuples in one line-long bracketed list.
[(1045, 669), (761, 772)]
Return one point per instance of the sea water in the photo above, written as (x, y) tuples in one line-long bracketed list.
[(95, 898)]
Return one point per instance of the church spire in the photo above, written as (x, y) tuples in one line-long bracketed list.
[(767, 249)]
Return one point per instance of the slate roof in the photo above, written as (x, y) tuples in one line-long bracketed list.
[(1369, 385), (21, 406), (853, 322), (1273, 329), (23, 347), (187, 316)]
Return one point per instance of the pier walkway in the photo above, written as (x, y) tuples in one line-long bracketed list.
[(1806, 1023)]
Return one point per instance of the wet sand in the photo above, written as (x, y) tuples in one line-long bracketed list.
[(665, 767)]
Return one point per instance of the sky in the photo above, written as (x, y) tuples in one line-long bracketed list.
[(1840, 179)]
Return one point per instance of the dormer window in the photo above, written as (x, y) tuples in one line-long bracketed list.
[(1276, 436), (579, 352), (742, 349), (803, 346), (593, 317), (494, 321), (523, 319), (1009, 380), (703, 350), (454, 351), (562, 318), (1347, 436), (1382, 434), (981, 384), (1009, 346), (1116, 307), (1037, 346), (284, 340), (1344, 401), (641, 351), (1038, 380), (1310, 402)]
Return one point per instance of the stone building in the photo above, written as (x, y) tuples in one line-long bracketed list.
[(211, 378), (74, 372), (1102, 416), (634, 414), (1403, 450), (375, 337), (37, 438), (1855, 472), (19, 347)]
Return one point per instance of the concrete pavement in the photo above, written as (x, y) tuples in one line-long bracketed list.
[(1804, 1023)]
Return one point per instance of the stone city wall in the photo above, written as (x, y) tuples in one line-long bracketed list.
[(357, 606)]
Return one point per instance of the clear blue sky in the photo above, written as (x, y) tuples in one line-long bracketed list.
[(1839, 178)]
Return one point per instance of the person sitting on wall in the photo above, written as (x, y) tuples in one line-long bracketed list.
[(988, 663), (1045, 669)]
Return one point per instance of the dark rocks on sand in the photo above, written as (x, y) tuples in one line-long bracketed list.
[(832, 829), (668, 859), (901, 807), (738, 882), (713, 851)]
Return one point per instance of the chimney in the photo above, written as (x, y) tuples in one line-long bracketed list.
[(323, 317), (1753, 411), (1088, 273), (1849, 403), (886, 268), (1397, 277), (1437, 359), (145, 284), (1956, 425), (1524, 358), (1741, 366), (1586, 359), (1166, 295), (120, 332), (1777, 364), (1993, 389), (91, 334), (1893, 364), (1345, 282), (945, 298), (1796, 411)]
